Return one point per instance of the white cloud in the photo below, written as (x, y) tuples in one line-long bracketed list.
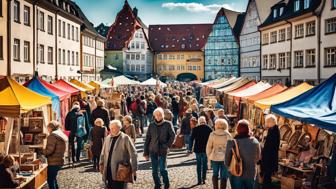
[(196, 7)]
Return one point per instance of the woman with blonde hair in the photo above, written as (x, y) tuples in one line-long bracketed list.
[(98, 133), (129, 127)]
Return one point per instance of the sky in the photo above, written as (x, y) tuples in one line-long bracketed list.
[(160, 11)]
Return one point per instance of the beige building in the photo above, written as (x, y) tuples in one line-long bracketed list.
[(3, 37)]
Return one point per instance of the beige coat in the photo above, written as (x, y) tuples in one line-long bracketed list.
[(123, 151), (216, 146)]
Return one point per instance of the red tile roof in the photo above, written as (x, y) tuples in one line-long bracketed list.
[(122, 30), (180, 37)]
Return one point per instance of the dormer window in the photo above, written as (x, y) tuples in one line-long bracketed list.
[(334, 3), (297, 5), (281, 11), (275, 12), (306, 4)]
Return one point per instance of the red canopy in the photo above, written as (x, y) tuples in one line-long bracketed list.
[(58, 91), (247, 85), (66, 87)]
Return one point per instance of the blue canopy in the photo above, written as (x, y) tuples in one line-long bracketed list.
[(316, 106), (35, 85)]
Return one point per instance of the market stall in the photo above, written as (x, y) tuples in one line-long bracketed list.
[(153, 82), (86, 87), (75, 91), (120, 80), (24, 115), (226, 83)]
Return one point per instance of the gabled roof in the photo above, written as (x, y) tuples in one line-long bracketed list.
[(122, 30), (102, 29), (235, 19), (289, 12), (179, 37), (264, 8)]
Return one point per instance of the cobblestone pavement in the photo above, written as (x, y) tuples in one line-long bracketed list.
[(181, 167)]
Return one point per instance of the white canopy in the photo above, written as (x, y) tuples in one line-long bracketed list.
[(153, 82), (225, 83), (120, 80), (255, 89)]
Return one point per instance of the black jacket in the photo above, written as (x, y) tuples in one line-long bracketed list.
[(151, 106), (7, 178), (200, 135), (102, 113), (159, 138), (71, 121), (175, 107), (185, 126), (269, 154)]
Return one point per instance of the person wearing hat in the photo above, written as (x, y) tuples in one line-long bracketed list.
[(249, 150)]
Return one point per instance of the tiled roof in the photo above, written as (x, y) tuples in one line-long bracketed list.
[(102, 29), (122, 30), (264, 8), (289, 12), (179, 37)]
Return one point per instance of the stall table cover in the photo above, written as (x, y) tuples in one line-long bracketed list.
[(16, 99), (282, 97), (316, 106)]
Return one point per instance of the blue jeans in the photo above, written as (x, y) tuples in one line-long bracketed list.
[(187, 142), (52, 174), (175, 119), (149, 118), (219, 170), (241, 183), (202, 167), (159, 162)]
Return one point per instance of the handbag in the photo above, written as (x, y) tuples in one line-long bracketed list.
[(236, 164), (124, 173)]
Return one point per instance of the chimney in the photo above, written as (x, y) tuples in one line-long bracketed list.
[(135, 12)]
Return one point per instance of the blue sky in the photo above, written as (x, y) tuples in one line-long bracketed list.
[(160, 11)]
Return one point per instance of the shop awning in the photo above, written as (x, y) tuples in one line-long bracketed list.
[(16, 99), (221, 80), (35, 85), (252, 90), (65, 86), (211, 81), (59, 92), (316, 106), (88, 88), (99, 85), (153, 82), (236, 85), (120, 80), (283, 97), (226, 83), (275, 89)]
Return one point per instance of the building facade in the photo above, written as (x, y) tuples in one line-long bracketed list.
[(179, 50), (222, 47), (3, 38), (127, 48)]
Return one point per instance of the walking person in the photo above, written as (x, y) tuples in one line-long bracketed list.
[(54, 151), (159, 138), (216, 148), (129, 128), (186, 129), (269, 155), (175, 109), (101, 112), (200, 136), (151, 106), (98, 134), (249, 151), (117, 149)]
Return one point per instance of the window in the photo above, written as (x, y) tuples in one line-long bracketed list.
[(59, 56), (265, 62), (63, 27), (282, 35), (310, 58), (69, 31), (41, 21), (140, 35), (69, 58), (73, 58), (298, 59), (50, 25), (330, 25), (73, 33), (16, 50), (275, 12), (142, 56), (299, 31), (77, 62), (59, 28), (16, 11), (26, 51), (63, 57), (289, 33), (76, 33), (310, 27), (1, 8), (142, 68), (272, 61), (297, 5), (41, 53), (182, 46), (26, 15), (137, 56), (330, 54), (132, 56), (265, 39), (282, 60), (1, 48), (142, 45), (137, 45), (274, 36), (171, 68), (171, 57), (128, 56), (281, 11), (289, 60), (132, 45), (334, 3), (50, 55), (306, 4)]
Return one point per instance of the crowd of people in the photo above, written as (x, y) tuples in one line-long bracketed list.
[(160, 116)]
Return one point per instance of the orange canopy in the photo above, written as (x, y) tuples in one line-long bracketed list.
[(275, 89)]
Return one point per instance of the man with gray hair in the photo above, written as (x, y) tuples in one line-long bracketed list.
[(269, 154), (199, 138), (159, 138)]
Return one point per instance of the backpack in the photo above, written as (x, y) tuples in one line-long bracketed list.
[(81, 130), (236, 164)]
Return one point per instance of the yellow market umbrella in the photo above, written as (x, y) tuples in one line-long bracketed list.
[(16, 99), (88, 88), (282, 97)]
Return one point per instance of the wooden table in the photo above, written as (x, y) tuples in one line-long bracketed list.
[(304, 171), (37, 180)]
